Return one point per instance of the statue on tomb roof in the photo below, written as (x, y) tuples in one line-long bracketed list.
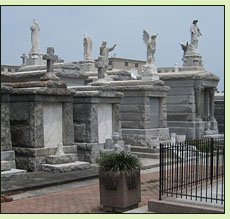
[(185, 49), (35, 37), (150, 42), (87, 43), (195, 34), (104, 51), (103, 60)]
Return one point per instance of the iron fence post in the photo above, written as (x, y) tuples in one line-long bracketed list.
[(160, 174), (211, 159)]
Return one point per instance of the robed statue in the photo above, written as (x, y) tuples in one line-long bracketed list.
[(87, 43), (35, 37), (195, 34)]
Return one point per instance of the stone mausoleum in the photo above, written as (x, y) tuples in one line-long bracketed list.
[(96, 116), (190, 102), (143, 112)]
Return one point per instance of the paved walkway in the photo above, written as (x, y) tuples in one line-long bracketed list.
[(75, 197)]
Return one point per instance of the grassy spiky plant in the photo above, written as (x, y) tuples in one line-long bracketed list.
[(116, 163), (119, 162)]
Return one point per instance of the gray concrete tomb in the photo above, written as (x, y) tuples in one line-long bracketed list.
[(8, 165)]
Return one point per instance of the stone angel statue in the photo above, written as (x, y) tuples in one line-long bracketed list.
[(150, 42), (185, 49)]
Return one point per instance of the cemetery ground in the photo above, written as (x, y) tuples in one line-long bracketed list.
[(81, 196)]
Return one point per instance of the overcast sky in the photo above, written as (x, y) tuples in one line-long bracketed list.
[(62, 27)]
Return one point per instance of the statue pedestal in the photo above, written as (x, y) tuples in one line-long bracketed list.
[(35, 59), (88, 65), (49, 76), (101, 81), (193, 61), (149, 72)]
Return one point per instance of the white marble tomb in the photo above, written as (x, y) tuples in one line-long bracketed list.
[(104, 122), (52, 117)]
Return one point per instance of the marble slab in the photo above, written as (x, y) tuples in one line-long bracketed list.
[(66, 167), (155, 112), (104, 122), (52, 117)]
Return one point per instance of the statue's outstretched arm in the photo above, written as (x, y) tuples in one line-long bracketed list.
[(112, 48)]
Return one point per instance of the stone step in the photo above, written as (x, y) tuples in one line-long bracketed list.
[(5, 165), (106, 151), (66, 167), (148, 163), (7, 155), (144, 149), (213, 136), (60, 159), (147, 155), (13, 172)]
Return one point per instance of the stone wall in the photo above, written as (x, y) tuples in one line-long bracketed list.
[(219, 111), (181, 107), (143, 111), (96, 115), (8, 165), (85, 121), (7, 155), (6, 143), (188, 106)]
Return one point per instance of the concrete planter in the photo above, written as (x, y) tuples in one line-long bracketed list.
[(119, 193)]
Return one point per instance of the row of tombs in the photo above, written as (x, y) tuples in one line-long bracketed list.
[(45, 124), (60, 117)]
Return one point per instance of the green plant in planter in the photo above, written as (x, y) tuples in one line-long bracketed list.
[(119, 178), (119, 162)]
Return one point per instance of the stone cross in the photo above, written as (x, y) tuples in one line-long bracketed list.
[(60, 151), (116, 146), (101, 66), (23, 58), (176, 68), (173, 138), (51, 58)]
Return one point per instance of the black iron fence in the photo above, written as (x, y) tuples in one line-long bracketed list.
[(193, 170)]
